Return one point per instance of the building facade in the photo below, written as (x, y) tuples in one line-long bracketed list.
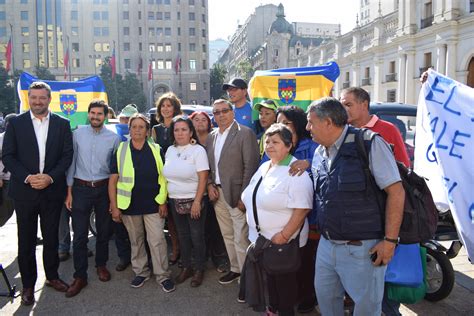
[(387, 55), (171, 36)]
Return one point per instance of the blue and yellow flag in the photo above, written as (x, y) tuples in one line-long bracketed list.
[(293, 86), (68, 98)]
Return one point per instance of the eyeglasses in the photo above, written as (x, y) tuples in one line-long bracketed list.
[(224, 111)]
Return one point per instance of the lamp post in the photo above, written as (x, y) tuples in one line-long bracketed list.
[(94, 57)]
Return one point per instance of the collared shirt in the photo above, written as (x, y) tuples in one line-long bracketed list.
[(220, 141), (381, 161), (41, 127), (92, 154)]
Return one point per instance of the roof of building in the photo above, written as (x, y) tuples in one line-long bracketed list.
[(305, 41), (281, 25)]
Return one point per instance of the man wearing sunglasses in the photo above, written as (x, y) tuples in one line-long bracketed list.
[(233, 158)]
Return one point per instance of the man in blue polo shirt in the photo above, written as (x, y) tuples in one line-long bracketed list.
[(237, 92)]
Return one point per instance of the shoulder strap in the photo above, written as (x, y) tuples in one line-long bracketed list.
[(254, 204)]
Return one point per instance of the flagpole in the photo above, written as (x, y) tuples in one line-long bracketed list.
[(69, 58), (13, 67), (115, 78)]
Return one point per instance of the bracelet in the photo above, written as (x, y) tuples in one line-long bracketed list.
[(281, 233), (393, 241)]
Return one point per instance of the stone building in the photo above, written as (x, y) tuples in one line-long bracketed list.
[(171, 35)]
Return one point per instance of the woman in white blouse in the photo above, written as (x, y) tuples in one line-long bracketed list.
[(282, 203), (186, 169)]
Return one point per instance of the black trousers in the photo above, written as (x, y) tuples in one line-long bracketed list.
[(27, 213), (282, 293), (307, 294)]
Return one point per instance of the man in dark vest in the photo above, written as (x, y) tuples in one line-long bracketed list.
[(358, 236)]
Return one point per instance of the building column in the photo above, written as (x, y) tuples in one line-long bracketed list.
[(451, 60), (410, 97), (355, 82), (441, 59), (377, 82), (401, 77)]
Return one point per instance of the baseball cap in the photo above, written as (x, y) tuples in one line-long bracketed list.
[(235, 83), (269, 104), (128, 110)]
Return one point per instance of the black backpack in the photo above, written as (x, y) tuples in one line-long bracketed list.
[(420, 215)]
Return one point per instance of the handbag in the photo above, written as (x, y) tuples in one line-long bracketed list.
[(277, 259), (183, 206), (399, 272)]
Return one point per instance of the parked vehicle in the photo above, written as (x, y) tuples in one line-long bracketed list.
[(439, 270)]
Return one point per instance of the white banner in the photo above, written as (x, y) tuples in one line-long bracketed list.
[(444, 149)]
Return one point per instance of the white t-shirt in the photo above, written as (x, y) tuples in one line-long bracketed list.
[(182, 163), (277, 197)]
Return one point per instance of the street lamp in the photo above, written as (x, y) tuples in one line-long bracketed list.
[(94, 57)]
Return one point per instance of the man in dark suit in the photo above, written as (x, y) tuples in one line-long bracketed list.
[(37, 150), (233, 156)]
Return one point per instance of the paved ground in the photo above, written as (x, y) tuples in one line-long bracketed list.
[(118, 298)]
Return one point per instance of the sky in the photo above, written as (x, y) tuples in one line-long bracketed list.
[(224, 16)]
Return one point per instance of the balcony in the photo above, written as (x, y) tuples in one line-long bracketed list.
[(346, 84), (471, 6), (366, 81), (426, 22), (423, 69), (391, 77)]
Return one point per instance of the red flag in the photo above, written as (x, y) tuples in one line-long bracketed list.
[(8, 54), (140, 66), (150, 72), (177, 64), (66, 64), (112, 63)]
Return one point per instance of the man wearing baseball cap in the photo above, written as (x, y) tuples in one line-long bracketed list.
[(266, 116), (237, 92)]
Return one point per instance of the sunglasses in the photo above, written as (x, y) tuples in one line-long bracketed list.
[(224, 111)]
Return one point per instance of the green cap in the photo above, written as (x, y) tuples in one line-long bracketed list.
[(128, 110), (269, 104)]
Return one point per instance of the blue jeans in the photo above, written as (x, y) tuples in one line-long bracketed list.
[(342, 267), (191, 237), (84, 199), (64, 231)]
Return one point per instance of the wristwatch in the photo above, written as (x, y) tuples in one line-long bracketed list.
[(393, 241)]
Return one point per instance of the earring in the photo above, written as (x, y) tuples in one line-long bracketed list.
[(193, 141)]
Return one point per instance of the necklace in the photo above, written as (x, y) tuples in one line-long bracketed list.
[(181, 150)]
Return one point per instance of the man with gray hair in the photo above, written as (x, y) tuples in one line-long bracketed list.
[(356, 243)]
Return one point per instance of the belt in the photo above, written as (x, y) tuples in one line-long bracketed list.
[(341, 242), (91, 184)]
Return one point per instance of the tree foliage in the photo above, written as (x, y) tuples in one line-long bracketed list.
[(43, 73), (218, 73), (122, 90), (245, 70), (8, 91)]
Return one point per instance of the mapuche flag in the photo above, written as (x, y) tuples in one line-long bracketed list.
[(68, 98), (293, 86)]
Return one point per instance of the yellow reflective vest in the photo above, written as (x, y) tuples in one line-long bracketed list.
[(126, 171)]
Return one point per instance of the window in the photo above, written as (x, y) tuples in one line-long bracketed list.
[(167, 2), (24, 15), (151, 1), (151, 47), (168, 31), (192, 64), (126, 31), (127, 63), (139, 30), (167, 47), (427, 60), (26, 63), (191, 16), (204, 86), (126, 15), (204, 64), (25, 47), (192, 31), (105, 31), (167, 15), (391, 95), (74, 15), (191, 2), (139, 15), (151, 15), (203, 32), (75, 47), (367, 72), (140, 46), (178, 15), (97, 31), (204, 48), (25, 31), (96, 15), (203, 18), (192, 47), (97, 47), (179, 31), (74, 31), (2, 16), (159, 48), (151, 31), (159, 15), (391, 67), (275, 52), (126, 47), (106, 47), (159, 31), (169, 64), (179, 47), (125, 1), (160, 64), (74, 1), (192, 86), (76, 63)]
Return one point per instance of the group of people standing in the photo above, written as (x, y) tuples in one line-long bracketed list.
[(214, 184)]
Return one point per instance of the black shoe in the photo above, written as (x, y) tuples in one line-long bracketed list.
[(63, 256), (306, 307), (122, 265), (89, 253), (229, 278)]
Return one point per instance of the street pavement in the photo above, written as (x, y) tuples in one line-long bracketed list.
[(116, 297)]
